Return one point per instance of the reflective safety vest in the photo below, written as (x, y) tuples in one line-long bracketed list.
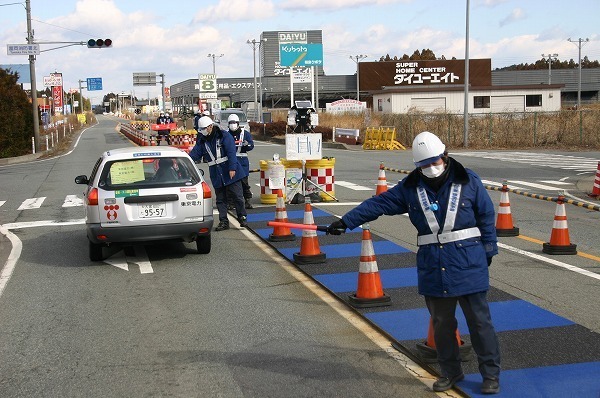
[(447, 235), (215, 159)]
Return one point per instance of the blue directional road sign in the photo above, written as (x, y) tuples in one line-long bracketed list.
[(298, 54), (94, 83)]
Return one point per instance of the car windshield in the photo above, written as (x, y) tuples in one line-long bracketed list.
[(148, 173)]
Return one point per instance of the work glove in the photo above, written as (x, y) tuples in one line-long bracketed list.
[(489, 261), (336, 228)]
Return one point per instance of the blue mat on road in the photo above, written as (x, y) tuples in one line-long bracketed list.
[(543, 354)]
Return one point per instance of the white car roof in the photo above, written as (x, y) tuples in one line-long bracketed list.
[(130, 152)]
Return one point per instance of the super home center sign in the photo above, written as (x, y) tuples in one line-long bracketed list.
[(375, 76)]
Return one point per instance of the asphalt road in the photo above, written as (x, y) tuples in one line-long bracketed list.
[(241, 321)]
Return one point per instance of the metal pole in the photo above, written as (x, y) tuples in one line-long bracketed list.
[(162, 84), (253, 42), (466, 111), (80, 98), (34, 106), (550, 58), (357, 60), (580, 43)]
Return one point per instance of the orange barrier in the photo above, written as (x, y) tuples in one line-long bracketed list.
[(427, 350), (370, 291), (504, 222), (281, 233), (596, 188), (310, 252), (559, 238), (381, 181)]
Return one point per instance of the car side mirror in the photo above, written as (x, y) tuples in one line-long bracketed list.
[(82, 179)]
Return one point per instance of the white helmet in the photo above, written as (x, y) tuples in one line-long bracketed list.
[(233, 118), (427, 148), (167, 114), (204, 122)]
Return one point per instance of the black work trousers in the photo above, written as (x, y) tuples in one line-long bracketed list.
[(483, 336), (233, 191)]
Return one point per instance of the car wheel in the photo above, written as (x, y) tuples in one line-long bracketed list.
[(203, 244), (95, 251)]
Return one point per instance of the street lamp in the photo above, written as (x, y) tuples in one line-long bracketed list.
[(254, 42), (357, 59), (550, 58), (214, 57)]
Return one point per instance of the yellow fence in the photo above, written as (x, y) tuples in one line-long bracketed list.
[(381, 138)]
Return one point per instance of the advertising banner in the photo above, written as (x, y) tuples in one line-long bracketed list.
[(57, 95)]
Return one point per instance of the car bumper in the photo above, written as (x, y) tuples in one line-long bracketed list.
[(144, 233)]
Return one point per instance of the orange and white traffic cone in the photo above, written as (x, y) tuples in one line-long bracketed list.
[(559, 238), (427, 350), (310, 253), (370, 291), (281, 234), (504, 222), (381, 181), (596, 188)]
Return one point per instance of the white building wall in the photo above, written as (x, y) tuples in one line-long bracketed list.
[(454, 101)]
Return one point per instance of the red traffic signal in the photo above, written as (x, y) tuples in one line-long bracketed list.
[(99, 43)]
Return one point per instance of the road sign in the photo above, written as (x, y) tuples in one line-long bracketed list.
[(298, 54), (144, 79), (94, 83), (23, 49)]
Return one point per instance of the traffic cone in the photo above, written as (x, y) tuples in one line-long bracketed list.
[(427, 350), (381, 181), (504, 222), (559, 238), (596, 188), (281, 234), (369, 292), (310, 253)]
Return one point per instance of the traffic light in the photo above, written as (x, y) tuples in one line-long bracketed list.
[(99, 43)]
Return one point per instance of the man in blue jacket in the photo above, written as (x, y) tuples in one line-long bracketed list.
[(245, 144), (217, 148), (455, 221)]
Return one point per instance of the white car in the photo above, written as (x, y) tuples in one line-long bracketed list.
[(142, 194), (221, 118)]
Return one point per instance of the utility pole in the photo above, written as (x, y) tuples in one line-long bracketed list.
[(162, 84), (550, 57), (357, 59), (36, 121), (214, 57), (81, 96), (579, 43), (254, 42)]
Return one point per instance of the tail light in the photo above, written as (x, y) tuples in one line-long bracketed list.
[(206, 192), (92, 197)]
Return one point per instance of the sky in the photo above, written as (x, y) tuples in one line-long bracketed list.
[(176, 37)]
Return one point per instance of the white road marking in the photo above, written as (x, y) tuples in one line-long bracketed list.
[(72, 201), (353, 186), (118, 260), (13, 257), (538, 186), (32, 203), (550, 261), (44, 223), (497, 184), (2, 202), (141, 259)]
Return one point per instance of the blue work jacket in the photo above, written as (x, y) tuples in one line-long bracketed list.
[(454, 268), (221, 146), (243, 149)]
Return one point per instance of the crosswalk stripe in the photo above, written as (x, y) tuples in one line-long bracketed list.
[(556, 182), (498, 184), (32, 203)]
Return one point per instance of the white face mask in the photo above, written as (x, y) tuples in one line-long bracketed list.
[(433, 171), (204, 132), (233, 126)]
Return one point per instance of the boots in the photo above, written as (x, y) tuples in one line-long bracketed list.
[(223, 225), (248, 205), (243, 222)]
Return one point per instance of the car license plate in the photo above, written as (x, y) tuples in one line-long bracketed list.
[(156, 210)]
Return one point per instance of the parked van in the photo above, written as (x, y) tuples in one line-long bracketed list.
[(221, 116)]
